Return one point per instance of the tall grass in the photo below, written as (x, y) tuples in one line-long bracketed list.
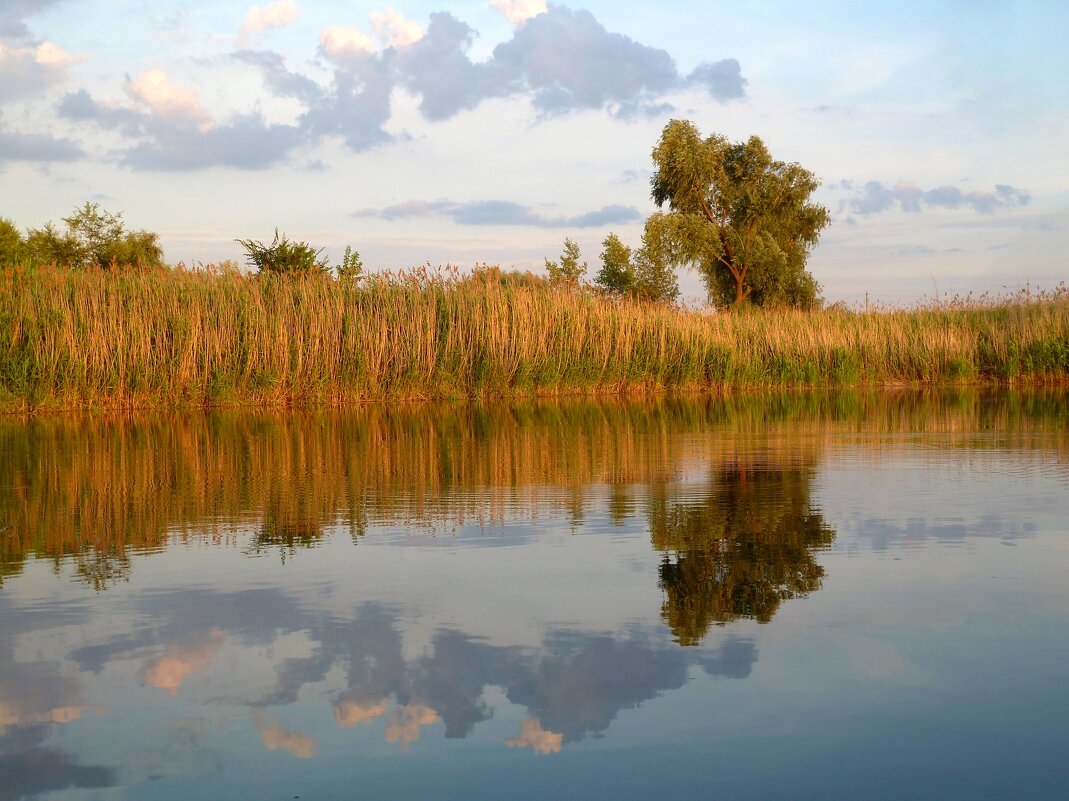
[(72, 338)]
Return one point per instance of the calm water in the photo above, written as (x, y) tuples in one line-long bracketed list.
[(853, 596)]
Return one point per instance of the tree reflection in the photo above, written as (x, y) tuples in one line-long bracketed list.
[(738, 550), (92, 492)]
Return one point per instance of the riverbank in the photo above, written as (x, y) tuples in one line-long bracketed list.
[(75, 339)]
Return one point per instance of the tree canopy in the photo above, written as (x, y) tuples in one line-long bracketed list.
[(643, 274), (569, 270), (94, 238), (743, 219)]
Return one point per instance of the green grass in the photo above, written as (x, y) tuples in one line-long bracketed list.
[(102, 339)]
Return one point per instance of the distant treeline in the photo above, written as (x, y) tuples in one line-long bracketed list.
[(75, 338)]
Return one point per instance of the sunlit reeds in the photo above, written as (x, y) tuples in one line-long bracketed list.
[(71, 339)]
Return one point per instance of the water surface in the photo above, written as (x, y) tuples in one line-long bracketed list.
[(804, 596)]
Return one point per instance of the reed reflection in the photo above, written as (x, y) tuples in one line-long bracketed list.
[(93, 491)]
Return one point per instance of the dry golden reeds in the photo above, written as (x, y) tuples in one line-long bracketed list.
[(166, 337)]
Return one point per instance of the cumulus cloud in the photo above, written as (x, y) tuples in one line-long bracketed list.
[(273, 15), (177, 103), (563, 60), (279, 79), (339, 42), (26, 71), (437, 68), (15, 146), (568, 60), (245, 141), (874, 197), (393, 29), (13, 14), (500, 212), (721, 79), (519, 11), (356, 107)]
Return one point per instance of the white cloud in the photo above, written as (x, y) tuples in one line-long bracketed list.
[(338, 41), (25, 71), (517, 11), (274, 15), (52, 55), (393, 29), (155, 90)]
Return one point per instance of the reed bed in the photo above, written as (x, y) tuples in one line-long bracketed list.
[(172, 337)]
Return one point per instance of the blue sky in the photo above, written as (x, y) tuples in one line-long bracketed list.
[(488, 131)]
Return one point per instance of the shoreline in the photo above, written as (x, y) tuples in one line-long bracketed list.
[(79, 340), (165, 406)]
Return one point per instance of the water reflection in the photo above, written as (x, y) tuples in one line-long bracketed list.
[(96, 490), (289, 586), (739, 548)]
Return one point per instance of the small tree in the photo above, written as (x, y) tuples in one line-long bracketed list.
[(284, 257), (616, 274), (745, 220), (12, 245), (94, 238), (351, 268), (568, 271), (655, 277), (645, 273)]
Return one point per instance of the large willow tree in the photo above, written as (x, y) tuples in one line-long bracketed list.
[(743, 219)]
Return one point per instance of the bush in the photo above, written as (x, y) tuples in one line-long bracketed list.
[(284, 257), (352, 267)]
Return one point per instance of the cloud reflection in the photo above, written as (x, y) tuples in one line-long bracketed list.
[(405, 723), (276, 738), (533, 736), (179, 662)]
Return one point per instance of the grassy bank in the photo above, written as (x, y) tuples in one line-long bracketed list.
[(77, 338)]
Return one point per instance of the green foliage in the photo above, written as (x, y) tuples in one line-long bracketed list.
[(744, 220), (94, 238), (12, 245), (616, 274), (568, 271), (655, 278), (351, 267), (286, 257), (645, 274)]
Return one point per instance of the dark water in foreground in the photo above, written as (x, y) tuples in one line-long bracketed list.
[(794, 597)]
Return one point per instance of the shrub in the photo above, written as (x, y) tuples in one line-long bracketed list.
[(285, 257)]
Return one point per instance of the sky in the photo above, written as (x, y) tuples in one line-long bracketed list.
[(487, 131)]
